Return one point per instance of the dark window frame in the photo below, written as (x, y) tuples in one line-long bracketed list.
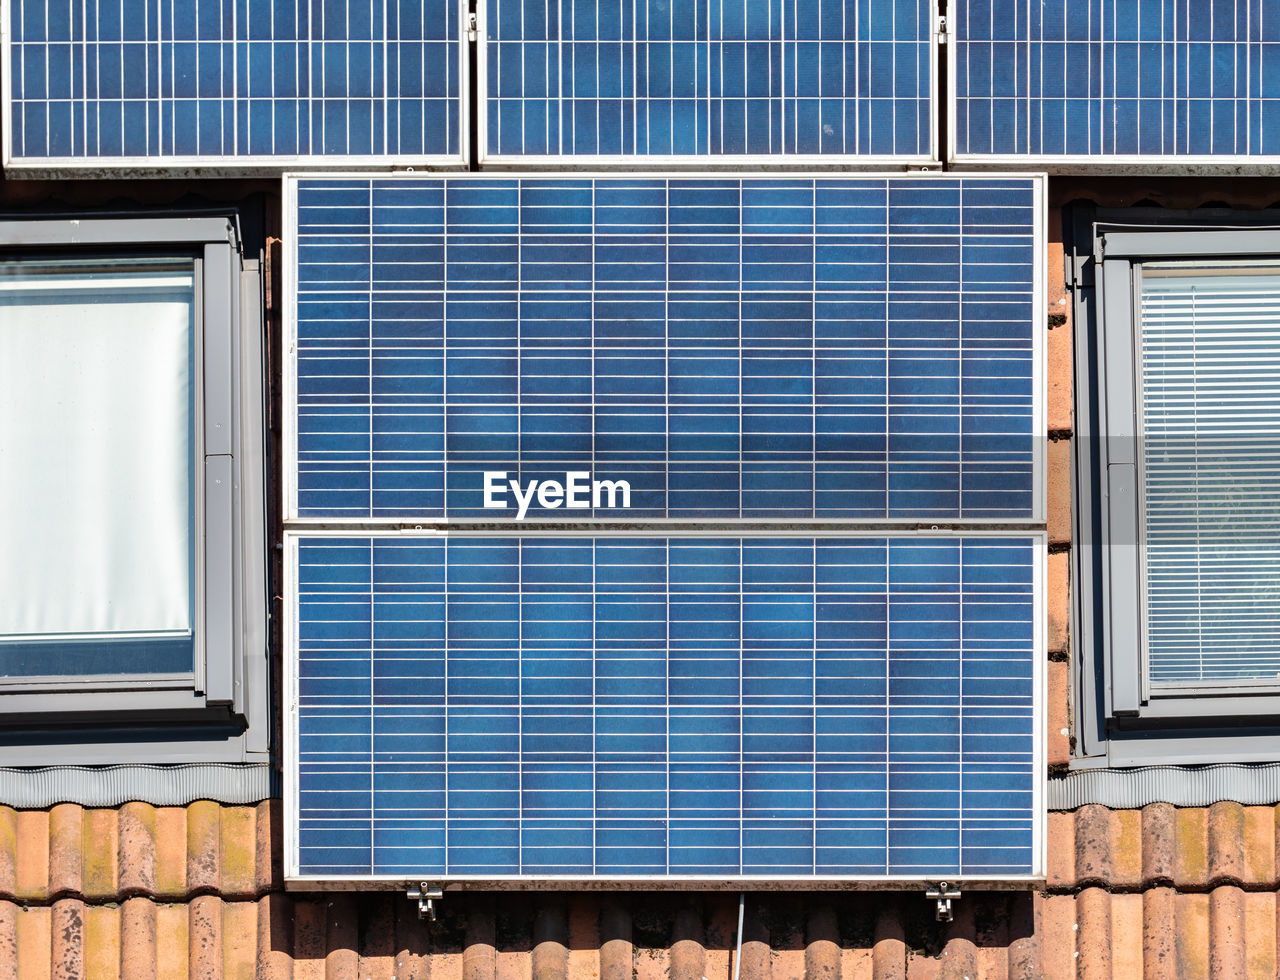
[(220, 711), (1121, 720)]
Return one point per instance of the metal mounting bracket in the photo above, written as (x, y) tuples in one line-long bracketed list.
[(943, 894), (426, 895)]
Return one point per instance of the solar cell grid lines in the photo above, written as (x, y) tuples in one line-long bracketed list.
[(615, 707), (614, 79), (1156, 81), (201, 82), (854, 348)]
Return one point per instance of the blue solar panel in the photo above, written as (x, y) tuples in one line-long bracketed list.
[(618, 706), (1085, 79), (206, 80), (790, 347), (617, 78)]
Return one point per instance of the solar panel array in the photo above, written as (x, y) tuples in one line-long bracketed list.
[(210, 79), (834, 347), (709, 78), (650, 706), (1085, 79)]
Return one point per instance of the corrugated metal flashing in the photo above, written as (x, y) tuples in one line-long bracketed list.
[(1128, 789), (175, 785)]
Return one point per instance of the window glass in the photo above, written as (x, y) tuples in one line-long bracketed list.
[(97, 409), (1209, 367)]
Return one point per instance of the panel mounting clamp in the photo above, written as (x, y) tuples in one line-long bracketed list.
[(426, 895), (943, 894)]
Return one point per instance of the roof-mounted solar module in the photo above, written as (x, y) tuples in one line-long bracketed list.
[(842, 348), (612, 81), (225, 85), (1083, 84), (648, 708)]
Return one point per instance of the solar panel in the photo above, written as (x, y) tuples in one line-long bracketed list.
[(612, 79), (1080, 81), (194, 82), (857, 348), (709, 707)]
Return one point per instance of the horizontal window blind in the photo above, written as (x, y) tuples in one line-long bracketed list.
[(1211, 463)]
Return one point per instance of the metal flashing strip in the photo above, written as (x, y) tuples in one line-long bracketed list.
[(111, 786), (1128, 789)]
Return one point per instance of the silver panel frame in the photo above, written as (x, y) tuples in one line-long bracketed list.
[(295, 881), (289, 422), (837, 162), (203, 165)]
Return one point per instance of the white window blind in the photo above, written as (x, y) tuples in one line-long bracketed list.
[(1210, 428), (96, 410)]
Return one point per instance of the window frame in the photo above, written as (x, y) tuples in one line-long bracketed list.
[(219, 711), (1120, 718)]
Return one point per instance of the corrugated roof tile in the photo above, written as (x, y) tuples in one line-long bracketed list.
[(1259, 846), (67, 937), (1155, 893), (102, 943), (171, 852), (1159, 935), (1260, 934), (1058, 483), (1225, 824), (173, 942), (137, 849), (1093, 934), (100, 848), (1126, 935), (138, 947), (1059, 724), (1159, 839), (9, 941), (1191, 912), (1226, 933), (1093, 845), (1058, 417), (34, 933), (1126, 849), (66, 837), (32, 860)]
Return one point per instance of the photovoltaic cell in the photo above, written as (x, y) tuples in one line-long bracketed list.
[(1088, 79), (627, 706), (617, 78), (212, 80), (790, 347)]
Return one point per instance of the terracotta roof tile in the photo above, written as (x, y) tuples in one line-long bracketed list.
[(1058, 592), (1058, 481), (1059, 734), (1058, 417), (189, 893), (1226, 843), (166, 853), (1191, 934), (1224, 933)]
